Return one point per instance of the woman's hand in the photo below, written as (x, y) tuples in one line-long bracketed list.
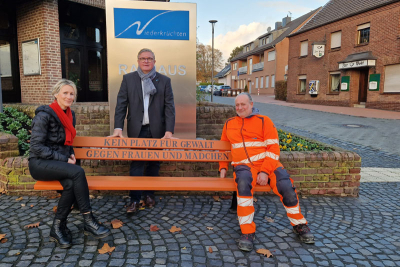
[(72, 159)]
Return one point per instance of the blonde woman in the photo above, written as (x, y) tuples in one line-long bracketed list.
[(52, 157)]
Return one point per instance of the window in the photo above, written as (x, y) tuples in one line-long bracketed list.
[(269, 38), (271, 56), (234, 66), (302, 84), (262, 58), (334, 82), (336, 40), (250, 65), (256, 82), (304, 48), (266, 81), (272, 81), (363, 33), (261, 82), (262, 41), (392, 79)]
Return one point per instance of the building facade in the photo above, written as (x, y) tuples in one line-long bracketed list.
[(348, 54), (42, 41), (265, 60)]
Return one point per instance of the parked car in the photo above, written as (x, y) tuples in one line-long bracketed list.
[(208, 88), (222, 89), (202, 88)]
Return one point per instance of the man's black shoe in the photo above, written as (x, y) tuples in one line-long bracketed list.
[(304, 233)]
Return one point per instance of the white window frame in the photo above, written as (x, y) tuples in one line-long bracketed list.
[(271, 55), (272, 81), (304, 48), (250, 66), (261, 82), (300, 78), (266, 81), (234, 66), (392, 79), (336, 39), (256, 82)]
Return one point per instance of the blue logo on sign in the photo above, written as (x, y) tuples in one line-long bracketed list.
[(151, 24)]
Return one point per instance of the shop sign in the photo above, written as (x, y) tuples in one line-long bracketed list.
[(357, 64)]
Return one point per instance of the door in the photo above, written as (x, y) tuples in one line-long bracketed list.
[(363, 85), (83, 51), (9, 63)]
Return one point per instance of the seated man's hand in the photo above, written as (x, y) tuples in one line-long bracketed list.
[(222, 173), (117, 133), (262, 178)]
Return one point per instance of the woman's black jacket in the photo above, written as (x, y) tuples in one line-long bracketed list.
[(48, 136)]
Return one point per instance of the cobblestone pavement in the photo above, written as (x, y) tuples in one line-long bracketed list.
[(349, 232), (372, 139)]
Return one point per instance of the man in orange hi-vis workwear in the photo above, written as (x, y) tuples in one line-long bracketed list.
[(255, 160)]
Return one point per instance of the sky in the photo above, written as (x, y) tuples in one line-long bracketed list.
[(240, 22)]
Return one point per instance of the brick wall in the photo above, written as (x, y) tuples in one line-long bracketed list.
[(384, 44), (39, 19), (315, 173)]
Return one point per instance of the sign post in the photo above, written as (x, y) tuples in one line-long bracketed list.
[(169, 30)]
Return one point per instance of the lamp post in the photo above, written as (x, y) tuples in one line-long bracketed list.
[(212, 70)]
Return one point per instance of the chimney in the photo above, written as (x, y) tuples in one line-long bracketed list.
[(278, 25), (286, 20)]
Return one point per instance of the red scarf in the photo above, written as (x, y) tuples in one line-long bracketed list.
[(66, 120)]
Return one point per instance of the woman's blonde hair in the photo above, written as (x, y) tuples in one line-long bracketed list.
[(60, 84)]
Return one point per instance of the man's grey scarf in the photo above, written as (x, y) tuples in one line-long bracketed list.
[(148, 86)]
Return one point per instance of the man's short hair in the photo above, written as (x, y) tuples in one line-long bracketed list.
[(246, 94), (146, 50)]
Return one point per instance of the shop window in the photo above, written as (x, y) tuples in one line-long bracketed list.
[(363, 33), (302, 84), (304, 48), (271, 56), (4, 21), (336, 40), (392, 79), (334, 82)]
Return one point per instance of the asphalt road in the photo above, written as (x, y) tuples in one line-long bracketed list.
[(376, 140)]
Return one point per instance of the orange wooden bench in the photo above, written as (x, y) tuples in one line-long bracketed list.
[(184, 150)]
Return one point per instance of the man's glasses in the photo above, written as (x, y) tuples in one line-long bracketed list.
[(144, 59)]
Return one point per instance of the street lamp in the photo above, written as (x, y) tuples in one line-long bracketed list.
[(212, 71)]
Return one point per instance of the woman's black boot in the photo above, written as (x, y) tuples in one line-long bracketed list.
[(57, 235), (65, 230), (92, 227)]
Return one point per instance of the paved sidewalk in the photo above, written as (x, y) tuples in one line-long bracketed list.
[(359, 231), (358, 112)]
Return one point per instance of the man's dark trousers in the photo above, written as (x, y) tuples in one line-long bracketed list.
[(138, 168)]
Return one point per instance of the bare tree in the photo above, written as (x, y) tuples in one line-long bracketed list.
[(204, 62)]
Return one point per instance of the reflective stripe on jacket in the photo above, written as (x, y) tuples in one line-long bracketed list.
[(254, 141)]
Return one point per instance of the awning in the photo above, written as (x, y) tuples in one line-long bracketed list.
[(358, 60)]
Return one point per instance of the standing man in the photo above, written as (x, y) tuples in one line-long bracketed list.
[(148, 97), (255, 160)]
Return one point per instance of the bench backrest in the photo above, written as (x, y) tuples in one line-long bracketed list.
[(106, 148)]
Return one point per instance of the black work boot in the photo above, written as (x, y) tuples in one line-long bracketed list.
[(304, 233), (246, 242), (92, 227), (57, 235), (65, 230), (233, 208)]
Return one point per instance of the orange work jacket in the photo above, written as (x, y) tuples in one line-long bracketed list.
[(254, 141)]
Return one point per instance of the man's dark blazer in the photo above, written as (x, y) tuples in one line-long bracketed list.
[(161, 106)]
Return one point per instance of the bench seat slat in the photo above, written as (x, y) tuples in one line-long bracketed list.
[(153, 183)]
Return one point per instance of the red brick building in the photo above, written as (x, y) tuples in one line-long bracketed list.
[(350, 52), (42, 41), (265, 60)]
